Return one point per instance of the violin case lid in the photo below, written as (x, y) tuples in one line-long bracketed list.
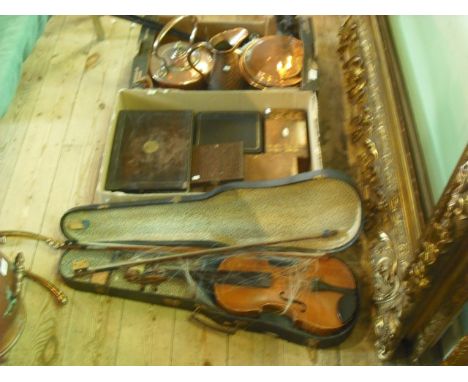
[(310, 204)]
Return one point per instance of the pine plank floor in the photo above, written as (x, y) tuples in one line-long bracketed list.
[(51, 142)]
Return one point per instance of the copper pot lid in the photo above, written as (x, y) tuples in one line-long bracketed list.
[(170, 66), (273, 61)]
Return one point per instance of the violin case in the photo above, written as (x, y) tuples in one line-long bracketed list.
[(309, 206)]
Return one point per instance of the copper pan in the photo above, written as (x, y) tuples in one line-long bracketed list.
[(272, 61)]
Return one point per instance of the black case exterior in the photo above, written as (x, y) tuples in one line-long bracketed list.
[(271, 323)]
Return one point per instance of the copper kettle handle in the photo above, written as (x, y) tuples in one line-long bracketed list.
[(193, 48), (171, 25)]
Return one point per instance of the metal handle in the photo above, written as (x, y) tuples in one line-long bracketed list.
[(59, 296), (171, 25), (193, 48), (21, 273), (32, 236)]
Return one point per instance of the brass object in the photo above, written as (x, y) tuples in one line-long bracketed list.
[(217, 163), (55, 244), (223, 71), (437, 280), (12, 314), (270, 166), (377, 148), (418, 284), (272, 61), (286, 131), (446, 224), (58, 295), (169, 65)]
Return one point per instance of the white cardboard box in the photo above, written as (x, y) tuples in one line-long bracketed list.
[(208, 100)]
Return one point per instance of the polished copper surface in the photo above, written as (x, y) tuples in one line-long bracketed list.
[(169, 66), (222, 47), (12, 315), (273, 61)]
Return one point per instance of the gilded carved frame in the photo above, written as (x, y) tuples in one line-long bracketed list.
[(403, 249)]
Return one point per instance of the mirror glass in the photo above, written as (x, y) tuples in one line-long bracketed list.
[(433, 56)]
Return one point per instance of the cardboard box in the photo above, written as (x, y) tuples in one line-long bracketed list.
[(206, 100), (208, 26)]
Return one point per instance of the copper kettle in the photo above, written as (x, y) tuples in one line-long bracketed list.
[(222, 72), (169, 66)]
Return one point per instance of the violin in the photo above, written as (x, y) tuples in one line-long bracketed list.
[(319, 295)]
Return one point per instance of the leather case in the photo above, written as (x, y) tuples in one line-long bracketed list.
[(217, 163), (323, 204)]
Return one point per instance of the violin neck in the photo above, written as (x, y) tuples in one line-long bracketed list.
[(241, 278)]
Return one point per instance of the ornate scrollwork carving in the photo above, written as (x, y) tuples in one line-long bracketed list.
[(429, 335), (371, 147), (400, 270), (448, 222)]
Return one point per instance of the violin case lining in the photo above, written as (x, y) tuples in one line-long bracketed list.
[(309, 204)]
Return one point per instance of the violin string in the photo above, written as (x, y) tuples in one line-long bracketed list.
[(295, 273)]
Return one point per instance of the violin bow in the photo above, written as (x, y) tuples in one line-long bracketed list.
[(83, 268)]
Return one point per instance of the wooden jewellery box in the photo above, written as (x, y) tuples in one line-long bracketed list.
[(160, 153)]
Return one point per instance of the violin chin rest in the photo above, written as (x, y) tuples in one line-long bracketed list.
[(347, 307)]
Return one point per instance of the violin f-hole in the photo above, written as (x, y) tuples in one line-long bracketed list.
[(294, 301)]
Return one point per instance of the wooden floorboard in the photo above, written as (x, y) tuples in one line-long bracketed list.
[(51, 142)]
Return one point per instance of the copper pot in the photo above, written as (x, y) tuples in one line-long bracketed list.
[(12, 313), (272, 61), (169, 66)]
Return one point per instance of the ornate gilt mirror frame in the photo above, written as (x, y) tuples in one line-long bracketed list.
[(419, 265)]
